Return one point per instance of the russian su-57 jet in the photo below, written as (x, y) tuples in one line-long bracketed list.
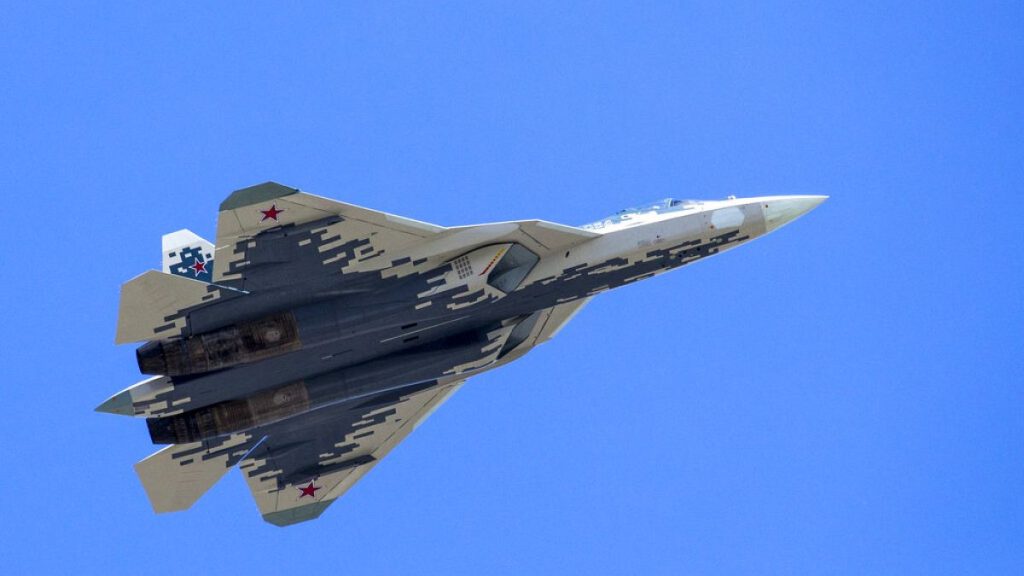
[(313, 336)]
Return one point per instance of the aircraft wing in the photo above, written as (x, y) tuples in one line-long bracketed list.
[(269, 235), (299, 470)]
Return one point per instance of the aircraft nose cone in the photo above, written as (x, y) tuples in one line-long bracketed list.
[(781, 211)]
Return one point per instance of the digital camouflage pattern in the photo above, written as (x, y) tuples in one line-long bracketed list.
[(314, 335)]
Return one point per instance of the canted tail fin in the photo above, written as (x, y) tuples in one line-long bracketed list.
[(186, 254)]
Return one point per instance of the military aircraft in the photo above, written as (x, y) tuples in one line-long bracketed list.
[(313, 336)]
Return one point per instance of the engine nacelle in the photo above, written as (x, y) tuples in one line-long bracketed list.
[(231, 416), (237, 344)]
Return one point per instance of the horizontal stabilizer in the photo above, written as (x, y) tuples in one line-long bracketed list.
[(175, 477), (154, 305)]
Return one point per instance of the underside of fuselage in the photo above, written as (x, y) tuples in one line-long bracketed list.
[(381, 337), (327, 331)]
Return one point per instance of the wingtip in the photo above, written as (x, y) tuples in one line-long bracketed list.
[(255, 195), (296, 515)]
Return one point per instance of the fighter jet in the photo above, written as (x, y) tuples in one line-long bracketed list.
[(313, 336)]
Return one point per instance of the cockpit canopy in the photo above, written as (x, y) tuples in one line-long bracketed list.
[(658, 207)]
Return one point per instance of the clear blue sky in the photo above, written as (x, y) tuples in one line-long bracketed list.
[(842, 397)]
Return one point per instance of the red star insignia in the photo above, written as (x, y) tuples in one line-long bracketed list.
[(272, 213), (199, 267), (308, 490)]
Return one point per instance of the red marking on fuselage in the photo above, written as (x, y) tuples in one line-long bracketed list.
[(493, 260)]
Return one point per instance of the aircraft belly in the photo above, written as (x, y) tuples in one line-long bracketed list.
[(341, 333), (326, 331)]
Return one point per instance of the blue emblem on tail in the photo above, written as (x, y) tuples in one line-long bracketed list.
[(194, 263), (188, 255)]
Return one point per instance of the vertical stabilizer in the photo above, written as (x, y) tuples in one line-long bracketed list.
[(186, 254)]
